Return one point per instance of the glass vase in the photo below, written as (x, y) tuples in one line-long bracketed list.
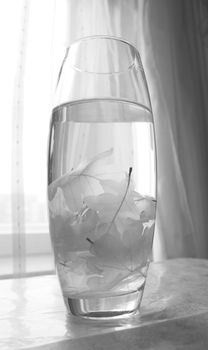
[(102, 178)]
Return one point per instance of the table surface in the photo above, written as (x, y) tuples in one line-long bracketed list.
[(173, 314)]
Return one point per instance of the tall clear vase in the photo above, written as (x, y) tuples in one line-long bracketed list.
[(102, 178)]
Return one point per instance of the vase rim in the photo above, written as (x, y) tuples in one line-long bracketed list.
[(103, 54), (107, 37)]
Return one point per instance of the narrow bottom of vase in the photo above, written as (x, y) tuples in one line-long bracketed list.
[(104, 307)]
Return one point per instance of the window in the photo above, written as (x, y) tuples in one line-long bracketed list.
[(26, 90)]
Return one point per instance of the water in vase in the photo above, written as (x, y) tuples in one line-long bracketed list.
[(102, 203)]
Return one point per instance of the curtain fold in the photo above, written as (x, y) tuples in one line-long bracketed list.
[(177, 73), (18, 202)]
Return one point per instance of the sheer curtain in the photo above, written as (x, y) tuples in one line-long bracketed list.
[(26, 86), (172, 39)]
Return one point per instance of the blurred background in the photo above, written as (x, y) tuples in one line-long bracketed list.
[(172, 38)]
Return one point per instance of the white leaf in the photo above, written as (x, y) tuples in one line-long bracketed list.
[(80, 182), (147, 208), (105, 205), (57, 205)]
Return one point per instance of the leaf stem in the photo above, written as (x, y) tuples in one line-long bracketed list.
[(89, 240), (124, 197)]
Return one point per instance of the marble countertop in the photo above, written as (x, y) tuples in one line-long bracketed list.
[(173, 314)]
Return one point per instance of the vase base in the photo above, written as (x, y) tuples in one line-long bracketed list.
[(104, 307)]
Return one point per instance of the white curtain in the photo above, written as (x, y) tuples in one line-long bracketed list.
[(26, 34), (172, 39)]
